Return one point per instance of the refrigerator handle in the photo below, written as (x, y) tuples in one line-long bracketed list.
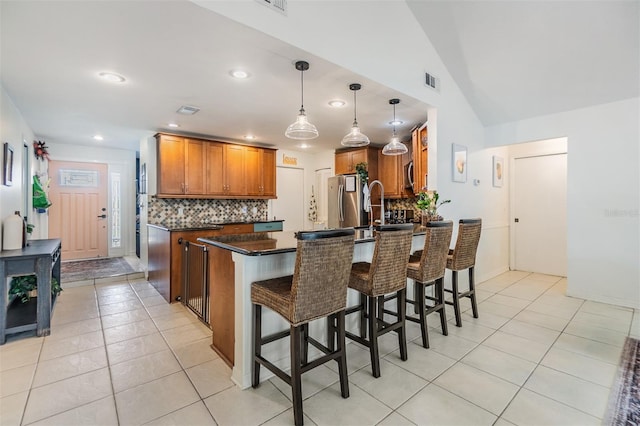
[(341, 203)]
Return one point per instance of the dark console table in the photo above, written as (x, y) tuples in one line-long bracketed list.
[(42, 258)]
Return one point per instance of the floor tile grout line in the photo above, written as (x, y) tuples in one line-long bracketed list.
[(538, 363), (113, 391), (183, 370)]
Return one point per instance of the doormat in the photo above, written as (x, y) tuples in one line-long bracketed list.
[(624, 400), (96, 268)]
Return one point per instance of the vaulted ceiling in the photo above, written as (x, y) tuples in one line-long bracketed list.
[(512, 59)]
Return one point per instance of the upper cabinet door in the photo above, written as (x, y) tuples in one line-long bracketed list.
[(235, 169), (253, 164), (269, 173), (171, 165), (343, 163), (214, 179), (195, 167)]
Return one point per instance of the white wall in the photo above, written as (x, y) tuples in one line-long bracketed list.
[(15, 131), (118, 160), (603, 195)]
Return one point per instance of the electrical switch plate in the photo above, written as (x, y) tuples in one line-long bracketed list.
[(254, 210), (244, 210), (180, 211)]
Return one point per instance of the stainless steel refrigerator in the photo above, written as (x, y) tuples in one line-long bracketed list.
[(345, 202)]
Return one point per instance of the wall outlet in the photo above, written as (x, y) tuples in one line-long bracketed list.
[(244, 210), (254, 210), (180, 211)]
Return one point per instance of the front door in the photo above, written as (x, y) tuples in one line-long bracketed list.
[(78, 213)]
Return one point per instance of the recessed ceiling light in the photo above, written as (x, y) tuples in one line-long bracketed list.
[(240, 74), (111, 77), (337, 103), (396, 122), (98, 137), (249, 137), (174, 125)]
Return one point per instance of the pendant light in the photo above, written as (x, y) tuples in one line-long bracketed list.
[(355, 137), (301, 128), (395, 147)]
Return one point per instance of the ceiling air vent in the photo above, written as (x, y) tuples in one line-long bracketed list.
[(277, 5), (432, 81), (187, 110)]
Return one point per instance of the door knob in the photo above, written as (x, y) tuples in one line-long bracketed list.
[(103, 216)]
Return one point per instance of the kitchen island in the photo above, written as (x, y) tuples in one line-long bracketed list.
[(166, 244), (235, 261)]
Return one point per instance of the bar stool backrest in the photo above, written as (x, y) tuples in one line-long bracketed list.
[(321, 274), (388, 271), (464, 254), (433, 261)]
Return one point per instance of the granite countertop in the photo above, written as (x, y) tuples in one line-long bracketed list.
[(198, 226), (266, 243)]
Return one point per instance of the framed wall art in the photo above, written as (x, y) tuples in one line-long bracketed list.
[(7, 165), (459, 163), (498, 171)]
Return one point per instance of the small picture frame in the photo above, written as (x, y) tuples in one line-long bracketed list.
[(498, 171), (459, 163), (7, 165)]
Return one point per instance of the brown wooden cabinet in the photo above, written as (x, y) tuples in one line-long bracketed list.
[(391, 172), (181, 165), (260, 171), (165, 254), (198, 168), (346, 160), (420, 144)]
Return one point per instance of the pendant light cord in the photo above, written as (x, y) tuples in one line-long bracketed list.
[(355, 106), (302, 90)]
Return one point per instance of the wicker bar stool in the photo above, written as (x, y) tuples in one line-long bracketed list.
[(317, 289), (462, 257), (385, 274), (426, 268)]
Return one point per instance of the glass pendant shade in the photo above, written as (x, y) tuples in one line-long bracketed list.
[(395, 147), (355, 137), (301, 129)]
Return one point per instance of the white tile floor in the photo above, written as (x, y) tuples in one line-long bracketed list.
[(118, 354)]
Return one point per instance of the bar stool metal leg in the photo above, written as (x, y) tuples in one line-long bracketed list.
[(439, 292), (456, 297), (472, 291), (373, 336), (402, 314), (296, 374), (257, 343), (342, 347)]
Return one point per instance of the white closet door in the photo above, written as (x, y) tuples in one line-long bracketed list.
[(540, 214), (290, 204)]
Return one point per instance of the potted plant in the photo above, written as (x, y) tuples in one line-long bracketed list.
[(25, 287), (428, 203)]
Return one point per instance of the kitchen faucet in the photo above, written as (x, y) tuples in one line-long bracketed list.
[(381, 205)]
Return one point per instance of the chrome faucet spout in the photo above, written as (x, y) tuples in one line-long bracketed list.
[(381, 205)]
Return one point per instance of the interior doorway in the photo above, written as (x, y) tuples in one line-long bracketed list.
[(290, 202), (539, 214), (78, 213)]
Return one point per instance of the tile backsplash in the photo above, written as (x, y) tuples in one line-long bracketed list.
[(166, 211)]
